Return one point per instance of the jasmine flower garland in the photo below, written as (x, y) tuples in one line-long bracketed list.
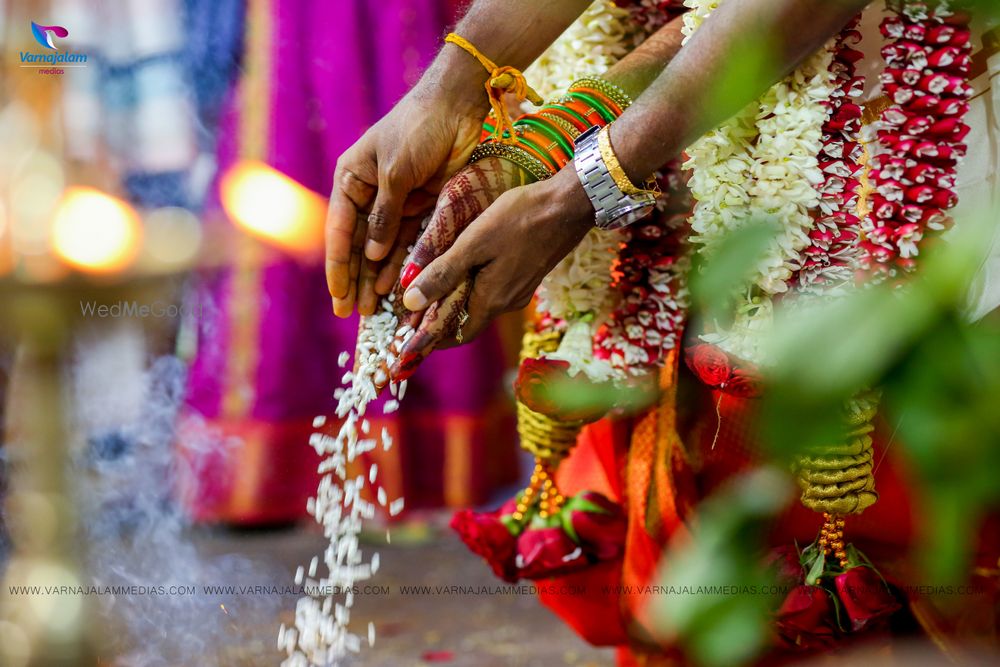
[(761, 165)]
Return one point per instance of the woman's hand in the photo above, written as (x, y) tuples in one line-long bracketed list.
[(393, 174), (462, 200), (508, 250)]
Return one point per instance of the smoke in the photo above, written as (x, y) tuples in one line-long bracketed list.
[(135, 533)]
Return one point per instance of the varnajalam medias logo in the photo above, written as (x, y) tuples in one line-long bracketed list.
[(46, 36)]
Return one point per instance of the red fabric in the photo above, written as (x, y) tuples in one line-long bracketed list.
[(885, 531), (597, 464), (588, 602), (239, 472)]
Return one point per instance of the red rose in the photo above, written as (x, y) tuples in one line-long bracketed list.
[(709, 363), (806, 619), (548, 552), (598, 524), (745, 383), (538, 384), (865, 597), (487, 536), (786, 564)]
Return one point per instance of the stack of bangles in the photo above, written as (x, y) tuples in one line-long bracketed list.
[(544, 141)]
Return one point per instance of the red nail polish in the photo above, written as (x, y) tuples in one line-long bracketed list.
[(404, 367), (410, 271)]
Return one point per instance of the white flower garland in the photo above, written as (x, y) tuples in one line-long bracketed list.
[(762, 164), (580, 285), (578, 289), (589, 47)]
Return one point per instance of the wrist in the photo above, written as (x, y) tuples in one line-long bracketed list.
[(573, 207), (456, 79)]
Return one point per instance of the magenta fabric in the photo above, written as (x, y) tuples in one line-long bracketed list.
[(336, 68)]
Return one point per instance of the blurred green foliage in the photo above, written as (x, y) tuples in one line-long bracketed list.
[(939, 375), (717, 596)]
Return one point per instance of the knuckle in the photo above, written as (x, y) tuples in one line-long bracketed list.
[(347, 178), (394, 174), (378, 223), (440, 272)]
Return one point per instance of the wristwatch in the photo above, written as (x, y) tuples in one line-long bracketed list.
[(616, 201)]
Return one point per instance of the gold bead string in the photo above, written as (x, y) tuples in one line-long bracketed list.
[(548, 440), (544, 437), (541, 490), (831, 538)]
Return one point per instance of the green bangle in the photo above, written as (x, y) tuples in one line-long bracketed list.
[(547, 130), (571, 130), (541, 151), (606, 113)]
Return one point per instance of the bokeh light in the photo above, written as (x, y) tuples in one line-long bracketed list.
[(271, 206), (172, 239), (95, 232)]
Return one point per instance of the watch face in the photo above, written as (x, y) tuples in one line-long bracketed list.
[(624, 216)]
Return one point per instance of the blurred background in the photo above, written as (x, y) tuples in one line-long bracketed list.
[(183, 165)]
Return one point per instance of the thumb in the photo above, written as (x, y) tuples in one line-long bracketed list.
[(441, 276)]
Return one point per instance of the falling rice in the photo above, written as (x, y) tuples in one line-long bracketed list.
[(321, 635)]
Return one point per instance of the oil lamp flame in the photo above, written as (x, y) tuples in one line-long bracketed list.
[(273, 207), (95, 232)]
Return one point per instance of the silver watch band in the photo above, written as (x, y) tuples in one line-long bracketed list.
[(607, 198)]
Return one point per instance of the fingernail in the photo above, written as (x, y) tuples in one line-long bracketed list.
[(414, 299), (410, 271), (404, 367), (375, 250), (343, 308)]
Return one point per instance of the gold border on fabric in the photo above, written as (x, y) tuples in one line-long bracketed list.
[(239, 388)]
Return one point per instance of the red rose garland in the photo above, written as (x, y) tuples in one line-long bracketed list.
[(650, 275), (824, 605), (588, 529), (830, 258), (651, 15), (921, 134)]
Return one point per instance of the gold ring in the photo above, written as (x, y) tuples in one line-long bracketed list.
[(463, 317)]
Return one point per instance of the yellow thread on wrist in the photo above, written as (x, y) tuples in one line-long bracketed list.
[(501, 80)]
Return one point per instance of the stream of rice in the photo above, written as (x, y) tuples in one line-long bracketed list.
[(321, 635)]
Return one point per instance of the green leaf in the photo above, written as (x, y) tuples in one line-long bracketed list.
[(816, 569)]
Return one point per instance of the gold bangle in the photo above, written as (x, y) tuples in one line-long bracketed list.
[(518, 156), (615, 167), (614, 93), (564, 124)]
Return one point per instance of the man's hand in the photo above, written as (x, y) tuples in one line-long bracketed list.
[(508, 250), (462, 200), (388, 178)]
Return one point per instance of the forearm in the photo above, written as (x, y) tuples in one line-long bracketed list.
[(640, 68), (508, 32), (721, 69)]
